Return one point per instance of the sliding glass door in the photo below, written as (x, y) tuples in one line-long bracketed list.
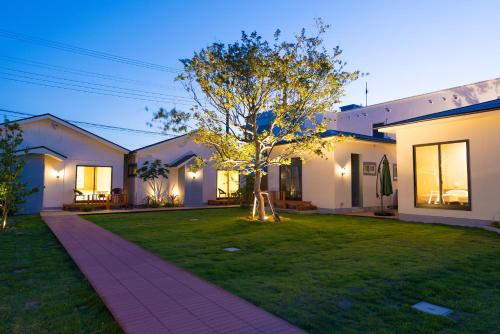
[(228, 183), (93, 181), (442, 177)]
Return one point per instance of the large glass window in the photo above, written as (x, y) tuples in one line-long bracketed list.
[(228, 183), (291, 180), (442, 175), (93, 180)]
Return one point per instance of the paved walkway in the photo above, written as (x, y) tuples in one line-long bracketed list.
[(146, 294)]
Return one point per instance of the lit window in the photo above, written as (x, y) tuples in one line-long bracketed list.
[(442, 175), (228, 183), (93, 180), (291, 180)]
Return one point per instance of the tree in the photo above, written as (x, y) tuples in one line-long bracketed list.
[(232, 85), (155, 174), (13, 191)]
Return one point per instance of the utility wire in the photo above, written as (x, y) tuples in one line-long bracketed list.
[(95, 91), (84, 51), (18, 114), (101, 85), (80, 72)]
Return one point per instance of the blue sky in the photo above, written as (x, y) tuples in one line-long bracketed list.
[(407, 47)]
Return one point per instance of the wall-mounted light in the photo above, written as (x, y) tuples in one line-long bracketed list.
[(193, 175), (343, 171), (57, 173)]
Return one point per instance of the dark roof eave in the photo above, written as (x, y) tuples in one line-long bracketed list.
[(357, 136), (462, 111)]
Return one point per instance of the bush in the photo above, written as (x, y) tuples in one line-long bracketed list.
[(86, 207), (245, 193)]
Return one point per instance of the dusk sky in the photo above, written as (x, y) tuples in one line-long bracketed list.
[(407, 47)]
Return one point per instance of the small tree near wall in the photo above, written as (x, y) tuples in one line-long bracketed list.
[(155, 174), (13, 191)]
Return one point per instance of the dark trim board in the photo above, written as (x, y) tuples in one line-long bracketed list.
[(462, 111), (441, 206), (45, 147)]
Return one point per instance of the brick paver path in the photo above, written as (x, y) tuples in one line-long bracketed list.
[(148, 295)]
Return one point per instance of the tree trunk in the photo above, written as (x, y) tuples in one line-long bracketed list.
[(4, 217), (260, 205)]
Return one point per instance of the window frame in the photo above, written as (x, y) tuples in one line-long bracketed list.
[(298, 198), (94, 192), (441, 206), (131, 169), (367, 166), (217, 183)]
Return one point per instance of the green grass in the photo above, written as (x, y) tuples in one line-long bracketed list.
[(41, 289), (334, 273)]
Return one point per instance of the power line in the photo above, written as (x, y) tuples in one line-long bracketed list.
[(94, 91), (18, 114), (80, 72), (101, 85), (84, 51)]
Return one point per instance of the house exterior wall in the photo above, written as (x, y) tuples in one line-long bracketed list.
[(79, 150), (361, 120), (32, 175), (368, 152), (482, 131), (323, 183), (179, 179)]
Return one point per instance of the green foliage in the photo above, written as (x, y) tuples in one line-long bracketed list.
[(298, 80), (13, 190), (154, 174), (334, 273), (245, 193), (86, 207), (42, 291)]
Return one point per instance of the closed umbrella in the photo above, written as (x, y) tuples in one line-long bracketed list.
[(384, 183)]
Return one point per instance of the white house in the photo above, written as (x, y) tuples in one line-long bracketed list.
[(448, 165), (366, 120), (65, 160), (62, 157), (191, 187), (343, 180)]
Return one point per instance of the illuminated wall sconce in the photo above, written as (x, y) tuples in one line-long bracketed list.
[(343, 171), (193, 175), (57, 173)]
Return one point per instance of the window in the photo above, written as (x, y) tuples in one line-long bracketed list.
[(93, 180), (132, 170), (369, 168), (291, 180), (228, 183), (442, 176)]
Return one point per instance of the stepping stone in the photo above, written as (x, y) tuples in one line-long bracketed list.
[(31, 305), (19, 271), (432, 309), (194, 219), (232, 249)]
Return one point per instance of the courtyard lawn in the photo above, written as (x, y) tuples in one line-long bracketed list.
[(41, 289), (328, 273)]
